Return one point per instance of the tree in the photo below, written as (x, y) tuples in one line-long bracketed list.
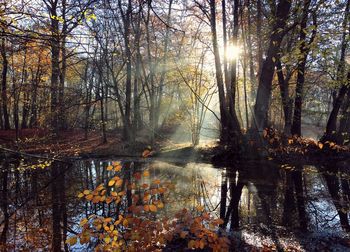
[(278, 31)]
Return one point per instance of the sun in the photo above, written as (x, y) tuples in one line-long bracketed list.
[(233, 52)]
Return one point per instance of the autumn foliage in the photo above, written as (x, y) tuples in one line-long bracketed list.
[(138, 224)]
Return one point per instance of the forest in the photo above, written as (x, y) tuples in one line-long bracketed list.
[(174, 125)]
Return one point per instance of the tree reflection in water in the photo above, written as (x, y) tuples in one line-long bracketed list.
[(40, 209)]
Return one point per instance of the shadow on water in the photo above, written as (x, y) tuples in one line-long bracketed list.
[(40, 208)]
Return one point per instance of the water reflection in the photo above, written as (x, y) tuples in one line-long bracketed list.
[(39, 207)]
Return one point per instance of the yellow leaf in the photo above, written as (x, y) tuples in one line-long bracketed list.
[(107, 239), (146, 198), (80, 195), (72, 240), (86, 192), (109, 167), (153, 208), (200, 208), (83, 222), (111, 182), (117, 222), (156, 181), (146, 173), (160, 205), (117, 168)]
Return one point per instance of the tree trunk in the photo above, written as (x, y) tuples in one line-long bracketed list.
[(56, 215), (4, 205), (261, 107), (304, 51), (341, 79), (127, 21), (4, 85), (55, 67), (62, 77), (218, 74), (259, 20), (283, 84)]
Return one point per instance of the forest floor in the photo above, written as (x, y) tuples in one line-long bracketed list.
[(72, 143)]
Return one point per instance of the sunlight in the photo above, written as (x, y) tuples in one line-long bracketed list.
[(233, 52)]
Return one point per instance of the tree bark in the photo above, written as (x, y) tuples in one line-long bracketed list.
[(4, 85), (261, 107), (304, 51), (218, 74), (341, 79), (55, 66)]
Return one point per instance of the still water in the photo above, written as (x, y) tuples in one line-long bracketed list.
[(263, 204)]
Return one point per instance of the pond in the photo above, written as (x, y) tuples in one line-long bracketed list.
[(262, 204)]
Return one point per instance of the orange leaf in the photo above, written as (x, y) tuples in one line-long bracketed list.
[(200, 208), (183, 234), (153, 208), (72, 240), (119, 183), (109, 167), (160, 205), (146, 173), (320, 145), (89, 197), (146, 153), (111, 182), (156, 181), (117, 168)]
